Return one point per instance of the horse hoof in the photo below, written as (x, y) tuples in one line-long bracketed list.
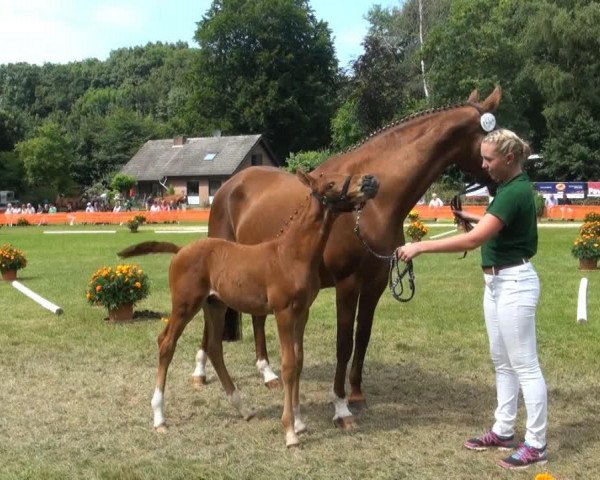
[(274, 384), (249, 415), (161, 429), (300, 427), (291, 440), (198, 382), (357, 404), (346, 424)]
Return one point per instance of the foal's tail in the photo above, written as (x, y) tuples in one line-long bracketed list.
[(145, 248)]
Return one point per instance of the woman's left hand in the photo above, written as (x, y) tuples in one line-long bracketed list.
[(408, 252)]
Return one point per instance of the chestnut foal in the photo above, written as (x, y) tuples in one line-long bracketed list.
[(280, 276)]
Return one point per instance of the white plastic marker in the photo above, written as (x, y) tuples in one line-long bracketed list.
[(582, 301), (439, 235), (36, 298)]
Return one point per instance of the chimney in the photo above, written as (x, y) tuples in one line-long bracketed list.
[(179, 140)]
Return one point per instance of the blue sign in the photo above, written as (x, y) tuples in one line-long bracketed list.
[(570, 189)]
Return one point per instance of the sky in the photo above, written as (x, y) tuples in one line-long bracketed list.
[(63, 31)]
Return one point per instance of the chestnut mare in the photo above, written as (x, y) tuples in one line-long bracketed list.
[(280, 276), (406, 157)]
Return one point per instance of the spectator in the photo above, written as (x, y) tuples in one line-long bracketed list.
[(435, 201), (89, 207)]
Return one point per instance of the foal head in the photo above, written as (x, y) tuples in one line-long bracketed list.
[(338, 192)]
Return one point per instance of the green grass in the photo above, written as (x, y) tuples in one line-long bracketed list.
[(75, 397)]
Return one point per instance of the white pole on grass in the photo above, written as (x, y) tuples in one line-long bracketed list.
[(582, 301), (36, 298)]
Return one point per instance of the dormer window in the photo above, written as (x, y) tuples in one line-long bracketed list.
[(210, 156)]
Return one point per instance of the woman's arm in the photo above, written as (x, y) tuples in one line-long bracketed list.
[(487, 228)]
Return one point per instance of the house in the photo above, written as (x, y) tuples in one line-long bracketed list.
[(195, 167)]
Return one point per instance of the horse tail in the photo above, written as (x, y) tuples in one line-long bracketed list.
[(145, 248)]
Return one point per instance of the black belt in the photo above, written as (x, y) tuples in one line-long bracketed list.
[(493, 270)]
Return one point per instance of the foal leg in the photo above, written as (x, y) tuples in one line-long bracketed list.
[(285, 327), (199, 374), (299, 425), (167, 341), (262, 357), (214, 318)]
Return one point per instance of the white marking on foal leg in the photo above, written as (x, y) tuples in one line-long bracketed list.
[(266, 371), (157, 407), (236, 401), (200, 370), (341, 407), (299, 425)]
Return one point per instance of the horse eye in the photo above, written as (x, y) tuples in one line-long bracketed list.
[(330, 185)]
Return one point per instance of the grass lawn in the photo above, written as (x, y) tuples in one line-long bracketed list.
[(75, 398)]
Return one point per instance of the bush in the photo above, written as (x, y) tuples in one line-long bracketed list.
[(590, 228), (592, 217), (113, 288), (22, 222), (413, 216), (307, 161)]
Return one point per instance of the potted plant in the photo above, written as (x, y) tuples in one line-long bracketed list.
[(133, 225), (587, 249), (118, 289), (413, 216), (416, 231), (11, 260)]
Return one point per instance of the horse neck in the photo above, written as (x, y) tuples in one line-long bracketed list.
[(410, 156), (307, 235)]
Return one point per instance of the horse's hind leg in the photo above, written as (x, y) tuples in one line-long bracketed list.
[(199, 374), (262, 357), (214, 319)]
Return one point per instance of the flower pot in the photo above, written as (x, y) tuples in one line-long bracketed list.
[(9, 275), (123, 313), (588, 264)]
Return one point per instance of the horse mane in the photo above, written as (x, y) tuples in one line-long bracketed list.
[(403, 120)]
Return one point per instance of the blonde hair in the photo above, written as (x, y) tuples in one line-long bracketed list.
[(507, 141)]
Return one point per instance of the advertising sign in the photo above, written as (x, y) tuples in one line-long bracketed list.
[(593, 189), (570, 189)]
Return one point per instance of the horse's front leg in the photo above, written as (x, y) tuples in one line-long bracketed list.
[(347, 291), (369, 297), (285, 327), (167, 341), (262, 357), (299, 424)]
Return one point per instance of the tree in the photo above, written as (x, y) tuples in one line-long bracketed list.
[(47, 158), (264, 66), (122, 183)]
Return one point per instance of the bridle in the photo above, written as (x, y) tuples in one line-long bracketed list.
[(395, 276), (332, 202)]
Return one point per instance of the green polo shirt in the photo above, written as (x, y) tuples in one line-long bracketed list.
[(514, 205)]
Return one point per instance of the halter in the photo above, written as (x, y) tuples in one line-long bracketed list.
[(332, 202), (395, 276)]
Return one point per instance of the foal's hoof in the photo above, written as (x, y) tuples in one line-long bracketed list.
[(291, 440), (346, 424), (274, 384), (161, 429), (249, 415), (198, 382)]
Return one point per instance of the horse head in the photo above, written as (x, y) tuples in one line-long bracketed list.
[(481, 122), (338, 192)]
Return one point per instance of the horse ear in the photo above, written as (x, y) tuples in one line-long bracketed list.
[(490, 104), (474, 97), (304, 177)]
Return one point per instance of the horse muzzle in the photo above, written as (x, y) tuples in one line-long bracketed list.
[(370, 186)]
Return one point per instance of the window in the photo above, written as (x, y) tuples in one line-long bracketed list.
[(256, 159), (210, 156), (213, 186), (193, 188)]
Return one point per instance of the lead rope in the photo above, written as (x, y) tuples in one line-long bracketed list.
[(395, 277), (456, 205)]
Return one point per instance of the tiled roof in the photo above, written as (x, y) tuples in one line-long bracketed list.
[(160, 158)]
